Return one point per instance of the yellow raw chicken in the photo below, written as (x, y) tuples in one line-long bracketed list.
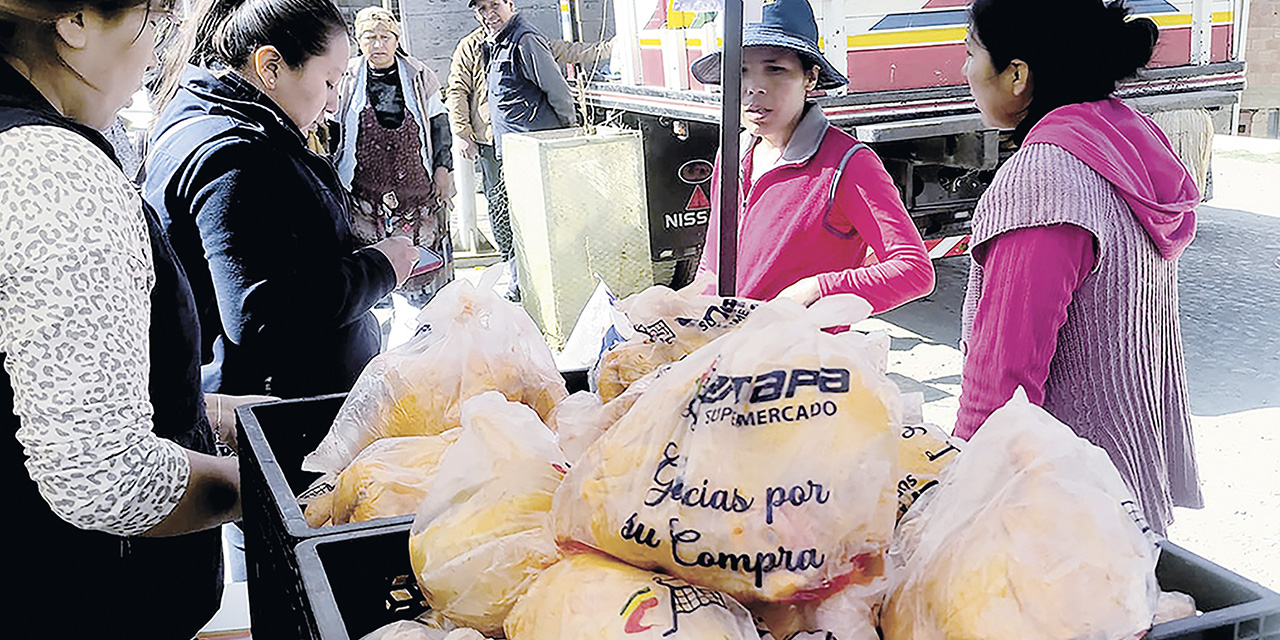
[(389, 478), (923, 452), (481, 534), (471, 342), (763, 465), (629, 361), (1029, 536), (671, 324), (589, 596)]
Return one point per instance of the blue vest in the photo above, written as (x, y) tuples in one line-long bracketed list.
[(516, 103)]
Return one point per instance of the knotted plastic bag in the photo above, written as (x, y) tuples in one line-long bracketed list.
[(469, 341), (669, 325), (1030, 535), (582, 417), (589, 596), (763, 465), (482, 534)]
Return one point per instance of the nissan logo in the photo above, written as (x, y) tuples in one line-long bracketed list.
[(695, 171)]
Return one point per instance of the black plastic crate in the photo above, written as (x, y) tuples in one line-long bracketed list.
[(1234, 608), (275, 437), (360, 581)]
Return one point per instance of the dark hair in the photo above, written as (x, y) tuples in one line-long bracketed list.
[(1077, 50), (227, 32), (43, 14)]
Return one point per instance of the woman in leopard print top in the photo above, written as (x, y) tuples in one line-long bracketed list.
[(99, 345)]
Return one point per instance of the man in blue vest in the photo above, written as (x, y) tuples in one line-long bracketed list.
[(527, 92), (527, 89)]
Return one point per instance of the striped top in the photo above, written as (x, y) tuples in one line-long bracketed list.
[(1117, 376)]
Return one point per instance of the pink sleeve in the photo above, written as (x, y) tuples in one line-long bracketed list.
[(1028, 279), (868, 200), (709, 264)]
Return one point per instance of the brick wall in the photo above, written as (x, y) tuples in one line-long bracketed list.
[(432, 28), (1262, 54)]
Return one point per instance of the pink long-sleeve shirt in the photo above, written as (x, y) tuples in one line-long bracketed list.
[(792, 225), (1015, 329)]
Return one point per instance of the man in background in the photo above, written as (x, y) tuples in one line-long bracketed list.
[(531, 62)]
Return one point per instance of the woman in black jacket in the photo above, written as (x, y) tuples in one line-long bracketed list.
[(258, 220)]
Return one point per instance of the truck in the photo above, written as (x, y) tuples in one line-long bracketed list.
[(907, 99)]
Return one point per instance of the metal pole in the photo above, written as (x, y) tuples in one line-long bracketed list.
[(730, 114), (1201, 31), (464, 178)]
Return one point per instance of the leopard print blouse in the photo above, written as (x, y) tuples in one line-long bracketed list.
[(75, 282)]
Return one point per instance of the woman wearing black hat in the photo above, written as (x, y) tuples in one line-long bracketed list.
[(813, 199)]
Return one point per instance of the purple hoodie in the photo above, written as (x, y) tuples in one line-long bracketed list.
[(1131, 152)]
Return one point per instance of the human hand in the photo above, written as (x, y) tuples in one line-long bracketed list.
[(401, 253), (442, 182), (221, 410), (805, 291), (469, 150)]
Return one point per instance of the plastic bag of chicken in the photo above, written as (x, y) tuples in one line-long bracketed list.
[(670, 324), (389, 478), (582, 417), (1031, 534), (414, 630), (763, 465), (481, 534), (469, 341), (924, 450), (589, 596)]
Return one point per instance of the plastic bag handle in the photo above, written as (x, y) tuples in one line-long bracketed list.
[(841, 309), (489, 278)]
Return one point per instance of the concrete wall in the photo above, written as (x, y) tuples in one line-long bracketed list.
[(432, 28), (1262, 54), (1262, 76)]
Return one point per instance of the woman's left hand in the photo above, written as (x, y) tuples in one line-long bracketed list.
[(221, 410), (443, 184), (805, 291)]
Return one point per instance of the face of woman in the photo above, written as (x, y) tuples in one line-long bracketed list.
[(774, 86), (379, 46), (1002, 96), (306, 92), (111, 54)]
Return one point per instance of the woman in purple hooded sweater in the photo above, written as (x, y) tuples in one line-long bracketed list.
[(1073, 292)]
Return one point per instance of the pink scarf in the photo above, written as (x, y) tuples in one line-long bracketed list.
[(1131, 153)]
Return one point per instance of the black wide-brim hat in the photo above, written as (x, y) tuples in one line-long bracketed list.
[(788, 24)]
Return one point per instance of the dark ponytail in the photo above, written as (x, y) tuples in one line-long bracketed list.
[(226, 33), (1077, 50)]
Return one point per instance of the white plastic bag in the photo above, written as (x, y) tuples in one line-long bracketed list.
[(413, 630), (599, 327), (482, 533), (669, 325), (582, 418), (1031, 534), (389, 478), (763, 465), (590, 596), (469, 341)]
